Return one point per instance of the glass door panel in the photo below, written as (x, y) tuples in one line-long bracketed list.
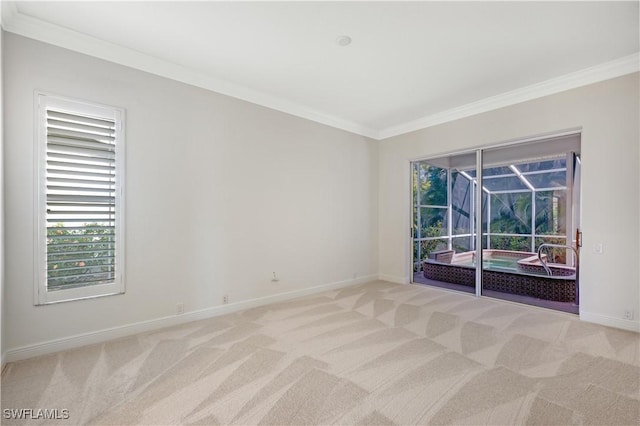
[(443, 230), (529, 207)]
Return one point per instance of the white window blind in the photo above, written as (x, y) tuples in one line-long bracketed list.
[(81, 199)]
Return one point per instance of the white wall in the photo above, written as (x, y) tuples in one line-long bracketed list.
[(2, 298), (608, 114), (220, 193)]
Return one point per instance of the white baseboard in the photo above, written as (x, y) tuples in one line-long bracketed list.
[(624, 324), (99, 336), (394, 279)]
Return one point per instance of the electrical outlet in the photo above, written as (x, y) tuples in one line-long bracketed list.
[(180, 308), (628, 314), (598, 248), (275, 278), (225, 299)]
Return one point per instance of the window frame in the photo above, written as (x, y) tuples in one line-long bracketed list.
[(42, 295)]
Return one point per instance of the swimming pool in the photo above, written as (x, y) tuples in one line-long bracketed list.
[(496, 263), (506, 271), (511, 261)]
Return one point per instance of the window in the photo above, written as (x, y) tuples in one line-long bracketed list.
[(80, 229)]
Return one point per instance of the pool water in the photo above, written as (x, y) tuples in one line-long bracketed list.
[(496, 263)]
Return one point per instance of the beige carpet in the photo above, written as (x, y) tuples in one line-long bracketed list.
[(374, 354)]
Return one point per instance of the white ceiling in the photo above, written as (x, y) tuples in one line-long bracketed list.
[(410, 64)]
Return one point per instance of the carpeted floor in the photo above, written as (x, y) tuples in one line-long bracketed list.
[(374, 354)]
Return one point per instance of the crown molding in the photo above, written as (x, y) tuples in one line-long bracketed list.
[(18, 23), (8, 10), (606, 71), (15, 22)]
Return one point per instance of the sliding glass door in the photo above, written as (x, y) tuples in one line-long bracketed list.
[(506, 232)]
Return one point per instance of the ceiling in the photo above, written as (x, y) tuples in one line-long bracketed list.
[(410, 65)]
